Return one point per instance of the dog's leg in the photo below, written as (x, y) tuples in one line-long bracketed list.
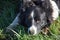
[(15, 22)]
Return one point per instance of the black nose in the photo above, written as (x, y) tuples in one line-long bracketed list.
[(31, 32)]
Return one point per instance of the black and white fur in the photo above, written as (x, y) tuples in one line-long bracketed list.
[(36, 16), (57, 2)]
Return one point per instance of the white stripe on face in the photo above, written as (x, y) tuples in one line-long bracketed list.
[(33, 28), (55, 8), (32, 14)]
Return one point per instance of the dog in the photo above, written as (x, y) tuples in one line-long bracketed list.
[(36, 15)]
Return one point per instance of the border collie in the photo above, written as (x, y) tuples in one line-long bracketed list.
[(36, 15)]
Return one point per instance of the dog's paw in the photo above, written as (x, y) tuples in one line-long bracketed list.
[(45, 31)]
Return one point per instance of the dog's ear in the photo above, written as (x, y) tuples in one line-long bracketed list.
[(42, 3), (45, 3)]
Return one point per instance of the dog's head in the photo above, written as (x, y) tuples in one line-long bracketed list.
[(35, 19)]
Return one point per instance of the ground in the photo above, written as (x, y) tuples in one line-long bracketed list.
[(7, 15)]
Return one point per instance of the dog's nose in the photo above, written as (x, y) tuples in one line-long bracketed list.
[(31, 32)]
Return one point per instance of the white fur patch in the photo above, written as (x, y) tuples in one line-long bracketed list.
[(33, 27), (32, 14), (55, 8)]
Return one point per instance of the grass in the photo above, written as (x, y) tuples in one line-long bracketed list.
[(7, 15)]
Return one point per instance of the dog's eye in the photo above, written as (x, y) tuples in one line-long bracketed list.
[(37, 21)]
